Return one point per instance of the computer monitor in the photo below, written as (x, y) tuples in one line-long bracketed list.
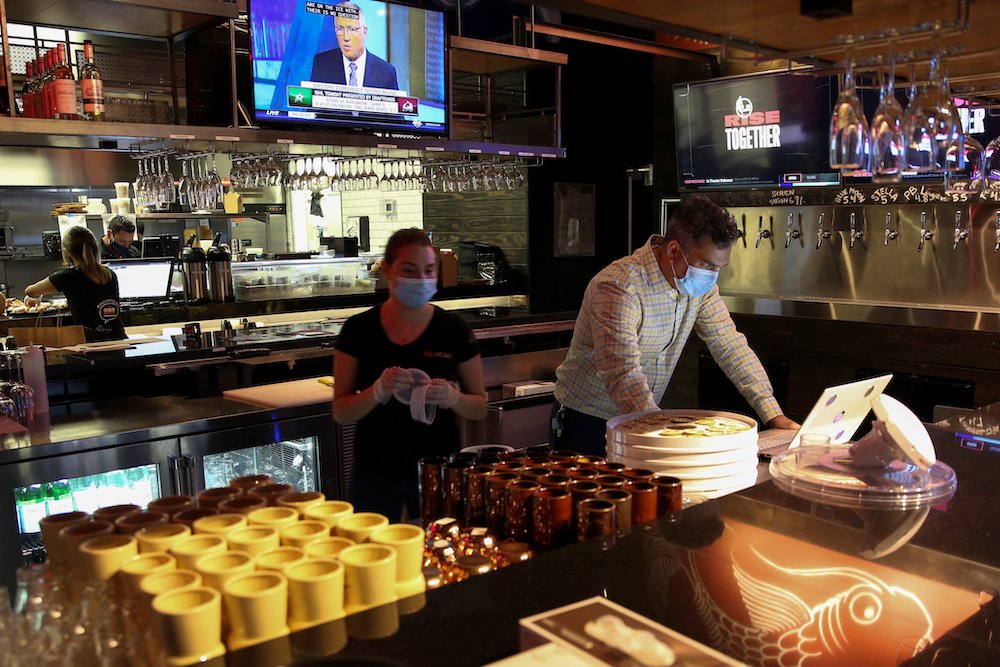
[(143, 279)]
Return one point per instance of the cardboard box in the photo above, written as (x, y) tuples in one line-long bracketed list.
[(566, 626), (447, 269), (526, 388)]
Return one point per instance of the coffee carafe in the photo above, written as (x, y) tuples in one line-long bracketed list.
[(220, 273), (195, 263)]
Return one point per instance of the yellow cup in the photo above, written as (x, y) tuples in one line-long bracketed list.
[(360, 526), (408, 542), (220, 524), (74, 536), (301, 501), (254, 540), (191, 622), (278, 559), (161, 538), (190, 549), (103, 556), (301, 533), (316, 592), (138, 568), (329, 512), (51, 526), (172, 580), (369, 576), (257, 605), (217, 569), (328, 547), (212, 497), (277, 517)]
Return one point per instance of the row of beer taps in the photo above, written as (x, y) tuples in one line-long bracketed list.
[(793, 231)]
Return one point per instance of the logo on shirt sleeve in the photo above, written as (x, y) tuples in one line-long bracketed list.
[(108, 310)]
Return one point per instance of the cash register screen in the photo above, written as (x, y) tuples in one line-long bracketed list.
[(142, 278)]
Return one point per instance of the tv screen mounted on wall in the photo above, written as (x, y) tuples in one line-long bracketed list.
[(365, 65)]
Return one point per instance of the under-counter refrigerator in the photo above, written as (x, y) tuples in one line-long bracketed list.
[(300, 451), (85, 481)]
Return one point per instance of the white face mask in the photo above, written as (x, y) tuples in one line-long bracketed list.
[(697, 282)]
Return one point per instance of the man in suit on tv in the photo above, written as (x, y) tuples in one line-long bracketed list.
[(351, 63)]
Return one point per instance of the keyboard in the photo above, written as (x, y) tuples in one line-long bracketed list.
[(774, 441)]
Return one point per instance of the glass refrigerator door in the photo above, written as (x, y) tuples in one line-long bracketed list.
[(300, 452), (137, 485), (134, 473)]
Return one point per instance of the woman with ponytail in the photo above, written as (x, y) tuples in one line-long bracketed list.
[(91, 289)]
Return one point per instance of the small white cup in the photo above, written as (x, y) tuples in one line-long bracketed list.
[(121, 190)]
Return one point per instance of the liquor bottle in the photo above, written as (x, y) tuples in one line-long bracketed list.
[(85, 493), (47, 87), (91, 85), (31, 504), (64, 88), (58, 498), (27, 101), (37, 92)]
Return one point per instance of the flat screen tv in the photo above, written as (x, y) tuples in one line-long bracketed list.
[(365, 65), (754, 132)]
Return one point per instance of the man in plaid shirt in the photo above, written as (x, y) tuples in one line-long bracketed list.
[(636, 316)]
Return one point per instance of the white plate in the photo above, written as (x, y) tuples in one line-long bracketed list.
[(700, 472), (718, 443), (725, 484), (682, 459)]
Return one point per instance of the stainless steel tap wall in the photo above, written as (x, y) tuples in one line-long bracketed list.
[(879, 272)]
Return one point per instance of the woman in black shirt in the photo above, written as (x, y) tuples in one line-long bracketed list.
[(374, 353), (91, 289)]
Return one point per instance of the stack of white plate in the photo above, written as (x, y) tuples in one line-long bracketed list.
[(713, 453)]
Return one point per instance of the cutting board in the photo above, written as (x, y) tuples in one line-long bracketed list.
[(285, 394)]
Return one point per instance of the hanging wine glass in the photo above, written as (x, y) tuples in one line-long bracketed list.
[(931, 125), (849, 133), (887, 132), (968, 179)]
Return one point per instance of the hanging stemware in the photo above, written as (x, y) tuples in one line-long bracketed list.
[(932, 125), (887, 132), (849, 132)]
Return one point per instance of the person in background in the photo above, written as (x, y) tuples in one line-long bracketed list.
[(117, 240), (351, 63), (636, 316), (91, 289), (374, 353)]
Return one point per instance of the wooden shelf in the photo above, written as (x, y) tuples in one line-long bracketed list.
[(152, 18)]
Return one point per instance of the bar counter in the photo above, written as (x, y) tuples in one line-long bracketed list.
[(761, 575)]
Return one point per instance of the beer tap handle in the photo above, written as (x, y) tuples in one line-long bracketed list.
[(761, 232), (961, 233), (925, 234), (890, 233), (743, 236), (820, 232)]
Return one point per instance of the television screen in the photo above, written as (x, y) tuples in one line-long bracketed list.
[(754, 132), (364, 64)]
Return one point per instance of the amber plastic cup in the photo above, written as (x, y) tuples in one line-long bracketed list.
[(519, 499), (113, 512), (429, 470), (597, 521), (242, 504), (475, 495), (669, 496), (130, 523), (248, 482), (643, 501), (171, 505), (454, 487), (581, 489), (496, 500), (271, 492), (212, 497), (637, 474), (552, 518), (622, 500)]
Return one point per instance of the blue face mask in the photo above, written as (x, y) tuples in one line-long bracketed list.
[(696, 282), (415, 292)]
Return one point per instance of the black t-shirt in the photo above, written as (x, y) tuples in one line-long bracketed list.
[(93, 305), (388, 441)]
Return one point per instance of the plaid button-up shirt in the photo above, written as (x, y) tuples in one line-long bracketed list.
[(630, 332)]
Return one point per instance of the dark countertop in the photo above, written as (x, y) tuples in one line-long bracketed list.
[(91, 426), (756, 573)]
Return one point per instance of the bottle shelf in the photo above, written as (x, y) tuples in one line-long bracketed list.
[(152, 18)]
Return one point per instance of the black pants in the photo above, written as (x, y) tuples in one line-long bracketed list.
[(577, 431)]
